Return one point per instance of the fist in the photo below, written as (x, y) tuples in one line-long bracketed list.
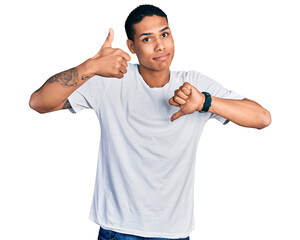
[(188, 98), (110, 62)]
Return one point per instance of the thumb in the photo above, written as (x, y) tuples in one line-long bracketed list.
[(176, 115), (109, 39)]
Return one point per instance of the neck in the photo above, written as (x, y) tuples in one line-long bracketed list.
[(154, 78)]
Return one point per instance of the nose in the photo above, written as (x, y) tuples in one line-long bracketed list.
[(159, 45)]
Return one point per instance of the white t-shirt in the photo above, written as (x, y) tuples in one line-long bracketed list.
[(146, 165)]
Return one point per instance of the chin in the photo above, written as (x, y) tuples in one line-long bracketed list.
[(159, 66), (155, 65)]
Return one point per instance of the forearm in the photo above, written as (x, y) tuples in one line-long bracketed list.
[(108, 62), (59, 87), (246, 113)]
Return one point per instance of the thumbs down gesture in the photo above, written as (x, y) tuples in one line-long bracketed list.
[(188, 98)]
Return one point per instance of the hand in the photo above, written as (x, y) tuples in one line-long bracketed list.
[(110, 62), (188, 98)]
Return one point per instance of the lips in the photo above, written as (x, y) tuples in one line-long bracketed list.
[(162, 57)]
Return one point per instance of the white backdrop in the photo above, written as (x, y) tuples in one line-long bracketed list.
[(247, 182)]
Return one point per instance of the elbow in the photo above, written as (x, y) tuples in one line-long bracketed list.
[(265, 119), (35, 105)]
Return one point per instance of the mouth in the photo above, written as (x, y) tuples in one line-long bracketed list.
[(162, 58)]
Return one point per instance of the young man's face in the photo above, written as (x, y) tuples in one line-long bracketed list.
[(153, 43)]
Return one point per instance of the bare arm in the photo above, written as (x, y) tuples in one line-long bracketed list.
[(246, 113), (55, 91), (53, 94)]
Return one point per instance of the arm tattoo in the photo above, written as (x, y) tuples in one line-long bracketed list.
[(67, 78), (84, 78), (67, 105)]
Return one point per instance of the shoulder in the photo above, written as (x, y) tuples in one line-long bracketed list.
[(132, 68), (188, 75), (194, 77)]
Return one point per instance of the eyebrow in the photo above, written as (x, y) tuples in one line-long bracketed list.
[(146, 34)]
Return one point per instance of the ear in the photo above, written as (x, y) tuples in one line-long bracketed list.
[(130, 46)]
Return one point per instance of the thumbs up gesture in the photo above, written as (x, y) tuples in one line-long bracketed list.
[(110, 62), (188, 98)]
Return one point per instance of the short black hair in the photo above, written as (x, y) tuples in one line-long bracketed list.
[(138, 14)]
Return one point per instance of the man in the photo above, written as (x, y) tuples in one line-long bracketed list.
[(151, 119)]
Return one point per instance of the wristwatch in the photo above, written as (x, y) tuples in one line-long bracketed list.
[(207, 102)]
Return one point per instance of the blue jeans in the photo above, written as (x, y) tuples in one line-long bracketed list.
[(105, 234)]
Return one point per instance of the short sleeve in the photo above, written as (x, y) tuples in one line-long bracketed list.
[(89, 95), (206, 84)]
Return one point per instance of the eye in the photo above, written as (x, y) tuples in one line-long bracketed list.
[(165, 34), (146, 39)]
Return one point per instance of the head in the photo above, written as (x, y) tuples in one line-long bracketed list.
[(150, 37)]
